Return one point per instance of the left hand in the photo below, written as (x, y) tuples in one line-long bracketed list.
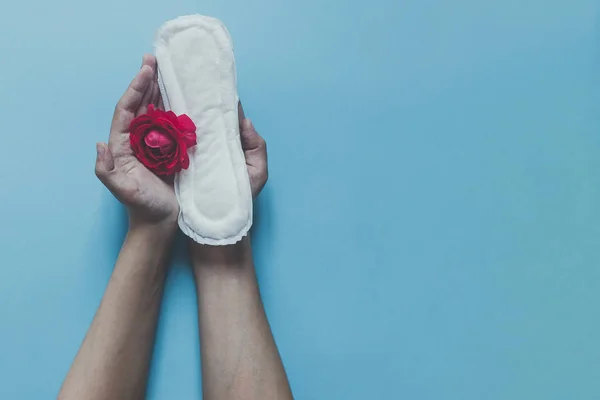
[(148, 198), (255, 153)]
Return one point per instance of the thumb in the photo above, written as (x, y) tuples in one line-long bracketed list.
[(250, 138), (105, 164)]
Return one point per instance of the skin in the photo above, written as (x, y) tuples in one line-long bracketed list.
[(239, 356), (114, 358)]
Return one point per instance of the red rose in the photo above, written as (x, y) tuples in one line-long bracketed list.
[(160, 140)]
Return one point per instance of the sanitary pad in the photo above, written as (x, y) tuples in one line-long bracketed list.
[(197, 77)]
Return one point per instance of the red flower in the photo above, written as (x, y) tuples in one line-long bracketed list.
[(160, 140)]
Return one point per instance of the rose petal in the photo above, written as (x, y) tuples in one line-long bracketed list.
[(166, 123), (185, 163), (151, 164), (135, 144), (161, 155), (160, 171), (189, 139), (158, 139), (186, 124), (140, 130), (155, 154), (139, 121), (171, 116), (172, 163)]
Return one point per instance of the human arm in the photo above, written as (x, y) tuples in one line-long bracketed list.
[(239, 356), (114, 358)]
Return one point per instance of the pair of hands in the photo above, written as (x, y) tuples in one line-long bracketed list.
[(149, 199)]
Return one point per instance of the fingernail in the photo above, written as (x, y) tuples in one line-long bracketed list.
[(100, 150), (248, 123)]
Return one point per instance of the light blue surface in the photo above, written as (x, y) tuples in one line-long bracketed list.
[(431, 229)]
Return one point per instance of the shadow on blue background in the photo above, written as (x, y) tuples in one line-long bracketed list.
[(430, 229)]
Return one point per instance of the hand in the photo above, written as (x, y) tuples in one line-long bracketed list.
[(149, 199), (255, 152)]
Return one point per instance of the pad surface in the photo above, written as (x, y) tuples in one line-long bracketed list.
[(197, 77)]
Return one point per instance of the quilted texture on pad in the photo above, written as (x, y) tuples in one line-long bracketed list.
[(197, 77)]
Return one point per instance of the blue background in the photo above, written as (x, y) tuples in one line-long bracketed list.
[(431, 227)]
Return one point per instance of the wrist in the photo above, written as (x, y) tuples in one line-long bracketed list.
[(235, 255), (146, 248), (154, 233), (164, 221)]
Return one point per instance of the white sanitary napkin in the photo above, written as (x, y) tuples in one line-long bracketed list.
[(197, 77)]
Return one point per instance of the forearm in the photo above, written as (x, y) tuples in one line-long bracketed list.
[(113, 360), (239, 356)]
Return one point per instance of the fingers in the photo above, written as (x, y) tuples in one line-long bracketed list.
[(241, 114), (255, 152), (105, 165), (252, 143), (132, 97), (251, 140), (155, 97), (131, 100), (148, 59), (152, 89)]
